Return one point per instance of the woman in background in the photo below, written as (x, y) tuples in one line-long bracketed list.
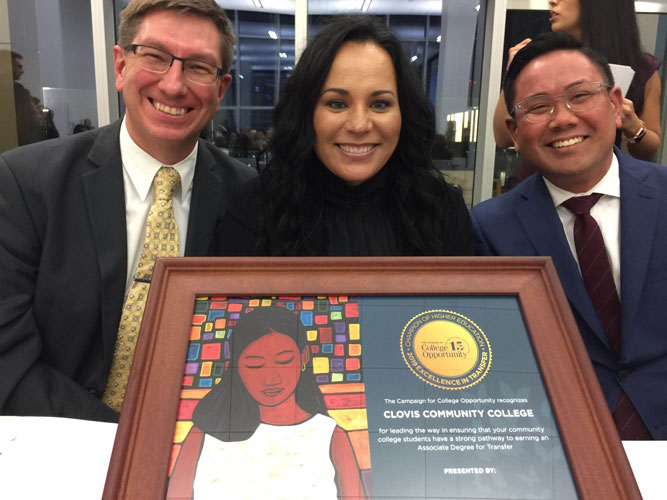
[(610, 28), (350, 170), (264, 431)]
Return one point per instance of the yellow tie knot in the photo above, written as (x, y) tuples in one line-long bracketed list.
[(165, 182)]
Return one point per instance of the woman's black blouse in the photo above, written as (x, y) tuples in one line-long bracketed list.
[(353, 221)]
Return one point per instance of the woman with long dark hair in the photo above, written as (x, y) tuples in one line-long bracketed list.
[(350, 171), (610, 28), (263, 431)]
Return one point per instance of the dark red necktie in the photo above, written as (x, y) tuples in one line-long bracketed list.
[(599, 281)]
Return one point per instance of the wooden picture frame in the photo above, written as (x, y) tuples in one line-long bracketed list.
[(141, 452)]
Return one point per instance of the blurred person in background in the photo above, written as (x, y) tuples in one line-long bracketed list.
[(27, 119)]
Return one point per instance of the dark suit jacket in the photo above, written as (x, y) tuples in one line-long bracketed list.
[(63, 260), (524, 222)]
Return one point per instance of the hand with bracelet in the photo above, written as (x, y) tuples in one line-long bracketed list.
[(642, 133), (634, 129)]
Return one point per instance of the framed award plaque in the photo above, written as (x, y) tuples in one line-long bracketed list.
[(447, 378)]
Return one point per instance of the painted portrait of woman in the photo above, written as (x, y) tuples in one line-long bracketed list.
[(264, 431)]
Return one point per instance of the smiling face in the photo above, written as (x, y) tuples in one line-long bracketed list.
[(270, 368), (565, 16), (165, 112), (572, 150), (357, 118)]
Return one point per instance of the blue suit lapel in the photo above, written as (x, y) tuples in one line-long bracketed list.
[(639, 219), (544, 229)]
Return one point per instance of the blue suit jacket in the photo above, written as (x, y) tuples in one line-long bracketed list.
[(524, 222)]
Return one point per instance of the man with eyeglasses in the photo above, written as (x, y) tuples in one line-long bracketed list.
[(599, 213), (74, 213)]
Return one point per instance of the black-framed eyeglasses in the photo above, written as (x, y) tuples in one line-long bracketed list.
[(159, 61), (578, 98)]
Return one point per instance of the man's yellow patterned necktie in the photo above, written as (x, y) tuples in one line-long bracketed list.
[(161, 240)]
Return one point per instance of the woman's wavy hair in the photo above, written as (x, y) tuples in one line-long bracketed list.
[(288, 194), (228, 412), (610, 28)]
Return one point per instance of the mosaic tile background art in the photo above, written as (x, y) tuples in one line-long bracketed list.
[(334, 339)]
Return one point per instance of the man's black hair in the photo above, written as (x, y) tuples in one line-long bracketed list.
[(545, 44)]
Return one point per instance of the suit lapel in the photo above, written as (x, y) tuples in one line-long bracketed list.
[(639, 218), (544, 229), (204, 205), (104, 193)]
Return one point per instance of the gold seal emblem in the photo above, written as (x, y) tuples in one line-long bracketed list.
[(445, 349)]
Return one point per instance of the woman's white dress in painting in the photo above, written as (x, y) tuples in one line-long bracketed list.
[(277, 462)]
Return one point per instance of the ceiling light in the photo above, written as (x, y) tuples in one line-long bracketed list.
[(365, 5), (414, 58), (258, 4), (273, 35)]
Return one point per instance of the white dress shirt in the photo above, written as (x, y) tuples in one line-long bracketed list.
[(139, 169), (606, 212)]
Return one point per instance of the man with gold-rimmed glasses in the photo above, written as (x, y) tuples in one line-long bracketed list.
[(83, 218), (600, 214)]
